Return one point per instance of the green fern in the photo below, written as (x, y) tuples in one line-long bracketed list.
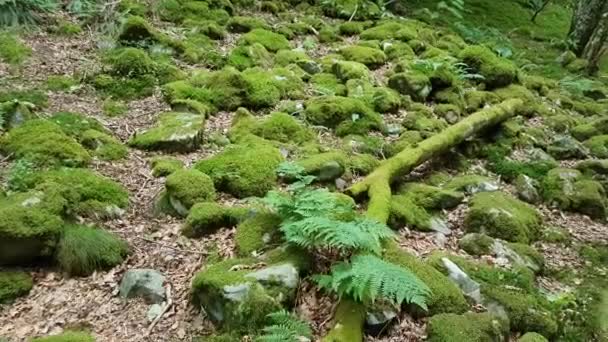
[(455, 8), (24, 12), (323, 233), (306, 203), (368, 278), (285, 327)]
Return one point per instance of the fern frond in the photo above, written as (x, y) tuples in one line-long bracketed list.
[(326, 233), (23, 12), (285, 327), (368, 278)]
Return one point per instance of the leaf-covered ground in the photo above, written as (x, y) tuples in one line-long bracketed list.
[(358, 85)]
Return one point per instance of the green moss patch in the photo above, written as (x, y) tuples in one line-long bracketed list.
[(83, 250), (68, 336), (172, 132), (256, 232), (206, 217), (243, 170), (270, 40), (567, 189), (371, 57), (188, 187), (278, 126), (469, 327), (12, 50), (497, 71), (14, 285), (164, 166), (502, 216), (334, 111)]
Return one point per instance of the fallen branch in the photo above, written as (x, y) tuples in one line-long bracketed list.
[(167, 306), (377, 185), (350, 317)]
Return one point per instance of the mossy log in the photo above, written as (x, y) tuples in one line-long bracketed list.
[(349, 317), (377, 184)]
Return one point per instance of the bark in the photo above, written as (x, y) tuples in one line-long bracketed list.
[(377, 185), (587, 14), (595, 48)]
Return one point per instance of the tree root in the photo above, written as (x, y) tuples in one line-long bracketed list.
[(349, 317)]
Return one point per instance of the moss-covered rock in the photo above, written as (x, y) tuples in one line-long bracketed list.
[(445, 296), (476, 244), (278, 126), (472, 184), (206, 217), (188, 187), (240, 24), (502, 216), (173, 131), (45, 144), (243, 170), (468, 327), (348, 70), (331, 111), (286, 57), (497, 71), (75, 125), (249, 56), (271, 41), (389, 30), (532, 337), (30, 226), (237, 296), (416, 85), (386, 100), (568, 190), (590, 129), (371, 57), (425, 124), (83, 250), (256, 232), (267, 88), (351, 28), (598, 146), (13, 285), (403, 210), (164, 166), (395, 50), (325, 166), (357, 9), (528, 189), (67, 336), (103, 146), (327, 84), (526, 313), (431, 197)]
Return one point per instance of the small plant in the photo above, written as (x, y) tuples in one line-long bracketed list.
[(368, 278), (285, 327), (576, 85), (24, 12), (455, 8), (19, 175), (12, 51), (83, 250)]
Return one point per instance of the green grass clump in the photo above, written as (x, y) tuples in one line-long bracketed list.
[(114, 108), (12, 50), (33, 96), (83, 250), (68, 336), (14, 285), (60, 83), (75, 124)]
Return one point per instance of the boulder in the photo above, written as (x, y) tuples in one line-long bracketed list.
[(469, 327), (180, 132), (567, 189), (145, 283), (527, 189)]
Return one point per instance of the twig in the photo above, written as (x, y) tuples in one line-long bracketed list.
[(167, 306), (354, 12), (171, 247)]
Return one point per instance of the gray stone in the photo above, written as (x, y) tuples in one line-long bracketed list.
[(439, 225), (285, 274), (566, 147), (181, 132), (376, 320), (468, 286), (505, 255), (341, 184), (145, 283), (154, 311), (330, 171), (310, 67), (527, 189)]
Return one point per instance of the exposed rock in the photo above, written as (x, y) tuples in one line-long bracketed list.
[(173, 132), (377, 320), (469, 287), (527, 189), (146, 283)]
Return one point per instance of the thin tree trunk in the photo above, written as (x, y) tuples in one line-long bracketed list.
[(595, 47), (537, 12), (587, 15)]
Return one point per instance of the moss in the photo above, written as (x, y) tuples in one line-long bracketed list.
[(266, 88), (173, 132), (502, 216), (83, 250), (138, 32), (445, 296), (516, 91), (416, 85), (44, 143), (330, 111), (225, 89), (271, 41), (404, 210), (598, 146), (103, 146), (283, 128), (532, 337), (74, 124), (286, 57), (363, 164), (528, 252), (328, 34), (238, 24), (188, 187), (327, 84), (124, 88), (206, 217), (33, 96), (12, 50), (364, 144), (113, 108), (13, 285), (370, 57), (389, 30), (68, 336), (249, 56), (130, 62), (469, 327), (254, 233), (395, 50), (567, 190), (476, 244), (471, 183), (431, 197), (477, 99), (352, 9), (386, 100), (590, 129), (61, 83), (314, 165), (243, 170), (348, 319), (497, 71), (210, 29), (86, 192), (427, 126), (351, 28), (525, 311), (347, 70), (29, 226), (164, 166), (561, 122)]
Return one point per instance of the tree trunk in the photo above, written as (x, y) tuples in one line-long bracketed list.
[(587, 14), (595, 48), (377, 184)]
